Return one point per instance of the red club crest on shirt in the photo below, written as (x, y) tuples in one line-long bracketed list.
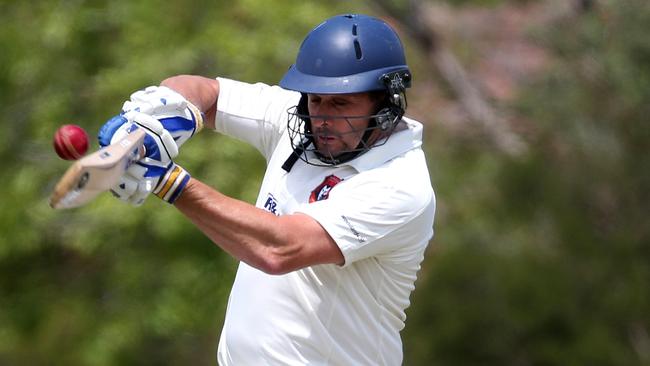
[(323, 190)]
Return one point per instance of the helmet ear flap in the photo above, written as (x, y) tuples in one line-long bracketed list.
[(302, 105), (303, 111), (395, 104)]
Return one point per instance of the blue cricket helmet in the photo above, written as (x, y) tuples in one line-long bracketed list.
[(347, 54)]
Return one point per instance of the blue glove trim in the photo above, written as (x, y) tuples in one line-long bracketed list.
[(107, 131), (174, 124), (153, 170), (151, 147)]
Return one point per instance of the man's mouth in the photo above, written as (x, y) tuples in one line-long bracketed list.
[(325, 137)]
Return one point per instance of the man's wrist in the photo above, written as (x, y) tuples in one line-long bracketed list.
[(172, 184)]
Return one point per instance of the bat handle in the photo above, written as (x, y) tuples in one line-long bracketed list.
[(142, 152), (136, 155)]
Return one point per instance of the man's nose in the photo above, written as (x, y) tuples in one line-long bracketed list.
[(320, 117), (320, 121)]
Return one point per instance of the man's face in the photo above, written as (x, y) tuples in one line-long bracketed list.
[(332, 133)]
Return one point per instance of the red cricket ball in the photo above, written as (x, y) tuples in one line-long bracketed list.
[(70, 142)]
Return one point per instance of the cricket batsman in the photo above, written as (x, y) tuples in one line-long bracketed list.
[(329, 254)]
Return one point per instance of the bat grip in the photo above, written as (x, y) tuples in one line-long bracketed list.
[(142, 152), (137, 154)]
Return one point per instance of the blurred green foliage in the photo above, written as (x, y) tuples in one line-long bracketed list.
[(541, 259), (109, 284), (484, 3), (544, 259)]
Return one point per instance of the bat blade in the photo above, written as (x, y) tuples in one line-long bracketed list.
[(96, 173)]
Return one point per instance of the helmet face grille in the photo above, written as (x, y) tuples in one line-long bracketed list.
[(302, 137)]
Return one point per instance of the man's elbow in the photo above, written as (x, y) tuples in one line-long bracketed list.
[(275, 261), (274, 266)]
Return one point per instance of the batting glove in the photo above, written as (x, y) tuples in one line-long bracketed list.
[(168, 118), (158, 142), (141, 179)]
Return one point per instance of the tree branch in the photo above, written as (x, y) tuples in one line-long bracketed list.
[(413, 19)]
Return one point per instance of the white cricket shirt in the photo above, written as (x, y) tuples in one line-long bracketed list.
[(379, 208)]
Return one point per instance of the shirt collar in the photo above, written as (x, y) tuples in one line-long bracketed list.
[(397, 144)]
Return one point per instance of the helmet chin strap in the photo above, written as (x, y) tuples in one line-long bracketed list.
[(341, 158)]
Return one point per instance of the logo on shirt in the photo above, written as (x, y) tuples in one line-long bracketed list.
[(271, 205), (362, 239), (322, 192)]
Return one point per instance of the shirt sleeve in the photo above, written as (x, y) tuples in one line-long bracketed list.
[(254, 113), (372, 218)]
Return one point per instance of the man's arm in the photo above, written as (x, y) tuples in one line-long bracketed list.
[(273, 244), (201, 91)]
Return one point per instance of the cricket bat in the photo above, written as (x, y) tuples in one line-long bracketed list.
[(93, 174)]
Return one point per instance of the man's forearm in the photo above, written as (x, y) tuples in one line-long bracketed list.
[(273, 244), (232, 224)]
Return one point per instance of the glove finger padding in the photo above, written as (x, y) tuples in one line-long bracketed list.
[(108, 130), (130, 190), (159, 109), (139, 181), (126, 187), (156, 100), (180, 117), (159, 143)]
